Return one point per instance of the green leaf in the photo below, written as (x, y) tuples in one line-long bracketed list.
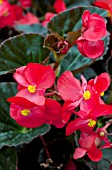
[(104, 163), (35, 28), (109, 66), (8, 159), (72, 3), (11, 134), (70, 20), (20, 50)]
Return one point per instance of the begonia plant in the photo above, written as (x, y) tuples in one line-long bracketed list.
[(56, 85)]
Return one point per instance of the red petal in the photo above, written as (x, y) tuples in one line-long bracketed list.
[(32, 97), (69, 87), (40, 75), (86, 141), (19, 76), (54, 113), (92, 49), (96, 29), (29, 19), (101, 82), (95, 154), (75, 125), (59, 6), (65, 113), (85, 18), (80, 41), (21, 102), (101, 110), (103, 5), (79, 153), (88, 105), (70, 166)]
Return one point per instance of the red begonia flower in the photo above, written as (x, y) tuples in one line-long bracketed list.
[(30, 115), (29, 19), (26, 113), (18, 12), (59, 6), (92, 145), (48, 16), (7, 17), (94, 26), (85, 95), (87, 143), (26, 3), (33, 80), (90, 49), (87, 121)]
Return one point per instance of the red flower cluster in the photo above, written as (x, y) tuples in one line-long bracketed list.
[(11, 15), (93, 29), (29, 107), (88, 96)]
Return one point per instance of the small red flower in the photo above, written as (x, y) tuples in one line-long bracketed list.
[(90, 144), (105, 4), (48, 16), (26, 113), (93, 29), (87, 121), (33, 80), (29, 19), (30, 115), (59, 6), (7, 17), (94, 26), (26, 3), (87, 95)]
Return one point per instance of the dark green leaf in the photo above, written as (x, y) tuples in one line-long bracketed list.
[(35, 28), (72, 3), (8, 159), (20, 50), (11, 134)]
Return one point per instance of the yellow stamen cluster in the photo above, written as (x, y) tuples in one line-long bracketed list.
[(6, 14), (87, 95), (102, 94), (25, 112), (31, 89), (102, 133), (1, 1), (91, 123)]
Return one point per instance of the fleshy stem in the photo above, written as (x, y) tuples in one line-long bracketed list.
[(52, 93), (45, 147)]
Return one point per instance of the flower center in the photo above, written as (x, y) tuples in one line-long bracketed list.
[(91, 123), (102, 133), (1, 1), (6, 14), (102, 94), (25, 112), (31, 89), (87, 95)]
